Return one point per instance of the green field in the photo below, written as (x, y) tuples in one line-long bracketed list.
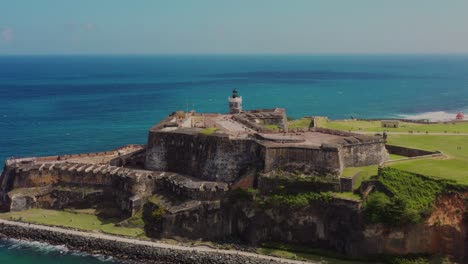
[(396, 157), (300, 123), (304, 253), (454, 166), (347, 195), (85, 220), (375, 126), (364, 173), (208, 131)]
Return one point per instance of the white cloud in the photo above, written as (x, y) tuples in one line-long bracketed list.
[(7, 34)]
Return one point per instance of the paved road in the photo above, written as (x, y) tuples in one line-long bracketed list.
[(149, 243)]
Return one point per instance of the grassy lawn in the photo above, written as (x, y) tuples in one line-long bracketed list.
[(208, 131), (375, 126), (452, 169), (303, 253), (446, 144), (300, 123), (395, 157), (364, 173), (85, 220), (272, 127), (455, 167), (348, 195)]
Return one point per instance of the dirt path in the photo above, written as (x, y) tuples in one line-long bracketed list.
[(156, 244)]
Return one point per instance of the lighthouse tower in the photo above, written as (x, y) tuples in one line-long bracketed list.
[(235, 103)]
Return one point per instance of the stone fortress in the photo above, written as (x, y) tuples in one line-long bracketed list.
[(243, 143), (192, 162)]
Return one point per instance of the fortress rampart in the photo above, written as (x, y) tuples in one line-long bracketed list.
[(221, 157), (213, 158), (315, 161)]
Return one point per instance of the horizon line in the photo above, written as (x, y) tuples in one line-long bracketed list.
[(236, 54)]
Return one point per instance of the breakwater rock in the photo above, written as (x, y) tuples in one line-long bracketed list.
[(124, 249)]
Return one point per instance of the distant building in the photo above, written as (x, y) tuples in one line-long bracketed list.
[(390, 123), (235, 103), (460, 116)]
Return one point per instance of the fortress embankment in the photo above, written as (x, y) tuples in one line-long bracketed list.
[(185, 181)]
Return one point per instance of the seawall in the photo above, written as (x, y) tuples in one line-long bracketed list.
[(130, 249)]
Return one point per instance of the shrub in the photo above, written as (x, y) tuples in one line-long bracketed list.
[(296, 201), (413, 200)]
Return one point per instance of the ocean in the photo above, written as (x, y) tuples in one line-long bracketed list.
[(23, 252), (73, 104)]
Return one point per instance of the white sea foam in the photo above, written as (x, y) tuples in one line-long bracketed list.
[(46, 248), (438, 116), (38, 246)]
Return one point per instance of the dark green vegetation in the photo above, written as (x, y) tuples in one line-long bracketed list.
[(153, 216), (281, 199), (294, 183), (408, 197), (294, 201)]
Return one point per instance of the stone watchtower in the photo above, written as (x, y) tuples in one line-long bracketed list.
[(235, 103)]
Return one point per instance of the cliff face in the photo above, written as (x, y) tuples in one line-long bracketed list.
[(338, 225)]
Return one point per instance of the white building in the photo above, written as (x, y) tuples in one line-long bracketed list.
[(235, 103)]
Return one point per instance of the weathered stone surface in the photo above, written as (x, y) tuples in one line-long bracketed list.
[(213, 158), (337, 225), (221, 158)]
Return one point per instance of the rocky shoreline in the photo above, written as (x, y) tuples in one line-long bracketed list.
[(123, 250)]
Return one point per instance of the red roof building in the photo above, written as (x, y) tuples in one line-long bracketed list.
[(460, 116)]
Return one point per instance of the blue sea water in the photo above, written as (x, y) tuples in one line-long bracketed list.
[(22, 252), (72, 104)]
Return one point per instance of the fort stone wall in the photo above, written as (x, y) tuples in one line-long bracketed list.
[(214, 158), (315, 161), (54, 185), (363, 154)]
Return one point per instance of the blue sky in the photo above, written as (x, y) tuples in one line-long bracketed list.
[(240, 26)]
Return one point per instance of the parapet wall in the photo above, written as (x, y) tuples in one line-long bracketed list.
[(123, 184), (408, 152), (315, 161), (364, 154)]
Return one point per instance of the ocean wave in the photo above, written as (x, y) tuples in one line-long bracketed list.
[(36, 246), (436, 116), (48, 249)]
